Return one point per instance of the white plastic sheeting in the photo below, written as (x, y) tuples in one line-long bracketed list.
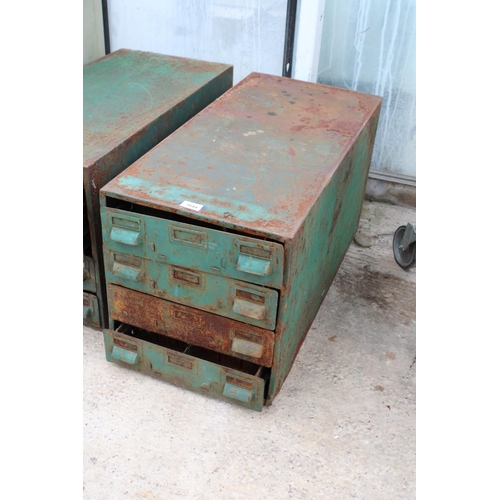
[(249, 34), (369, 46), (93, 31)]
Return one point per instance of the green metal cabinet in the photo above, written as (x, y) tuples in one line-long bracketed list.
[(131, 101), (221, 243)]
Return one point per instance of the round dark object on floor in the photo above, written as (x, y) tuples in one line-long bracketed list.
[(405, 258)]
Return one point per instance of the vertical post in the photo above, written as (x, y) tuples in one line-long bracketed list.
[(105, 22), (291, 14), (308, 45)]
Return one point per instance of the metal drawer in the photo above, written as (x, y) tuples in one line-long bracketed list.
[(91, 310), (192, 326), (186, 366), (245, 302), (89, 281), (196, 247)]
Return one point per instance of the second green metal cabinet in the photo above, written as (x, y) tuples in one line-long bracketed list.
[(131, 101)]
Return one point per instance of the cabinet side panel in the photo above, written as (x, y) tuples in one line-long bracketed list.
[(317, 252)]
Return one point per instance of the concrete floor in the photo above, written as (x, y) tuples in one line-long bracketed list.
[(342, 427)]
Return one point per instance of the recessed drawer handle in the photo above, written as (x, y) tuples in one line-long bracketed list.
[(247, 348), (124, 355), (250, 309), (238, 393), (127, 272), (125, 236), (253, 265)]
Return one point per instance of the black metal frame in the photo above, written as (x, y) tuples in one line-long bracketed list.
[(291, 16), (105, 22)]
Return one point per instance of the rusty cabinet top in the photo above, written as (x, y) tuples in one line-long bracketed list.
[(127, 90), (255, 160)]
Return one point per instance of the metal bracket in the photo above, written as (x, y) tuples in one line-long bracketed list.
[(409, 236)]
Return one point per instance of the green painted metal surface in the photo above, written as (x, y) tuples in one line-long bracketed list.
[(128, 91), (131, 101), (91, 309), (184, 370), (253, 304), (316, 254), (199, 248), (273, 159), (89, 279)]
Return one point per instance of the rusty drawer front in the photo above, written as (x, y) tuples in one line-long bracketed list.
[(89, 281), (185, 370), (237, 300), (192, 326), (186, 245), (91, 315)]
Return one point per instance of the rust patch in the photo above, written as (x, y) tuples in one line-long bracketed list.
[(252, 297), (125, 345), (338, 207), (258, 251), (189, 278), (328, 126), (250, 336), (182, 361), (241, 383), (186, 316), (186, 324)]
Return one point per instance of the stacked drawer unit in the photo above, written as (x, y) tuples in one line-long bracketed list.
[(131, 101), (221, 243)]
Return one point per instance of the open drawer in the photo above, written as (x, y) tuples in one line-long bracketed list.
[(184, 365), (190, 325), (192, 245), (246, 302)]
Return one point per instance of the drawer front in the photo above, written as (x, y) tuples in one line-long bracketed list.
[(91, 310), (185, 245), (89, 283), (191, 326), (184, 370), (233, 299)]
